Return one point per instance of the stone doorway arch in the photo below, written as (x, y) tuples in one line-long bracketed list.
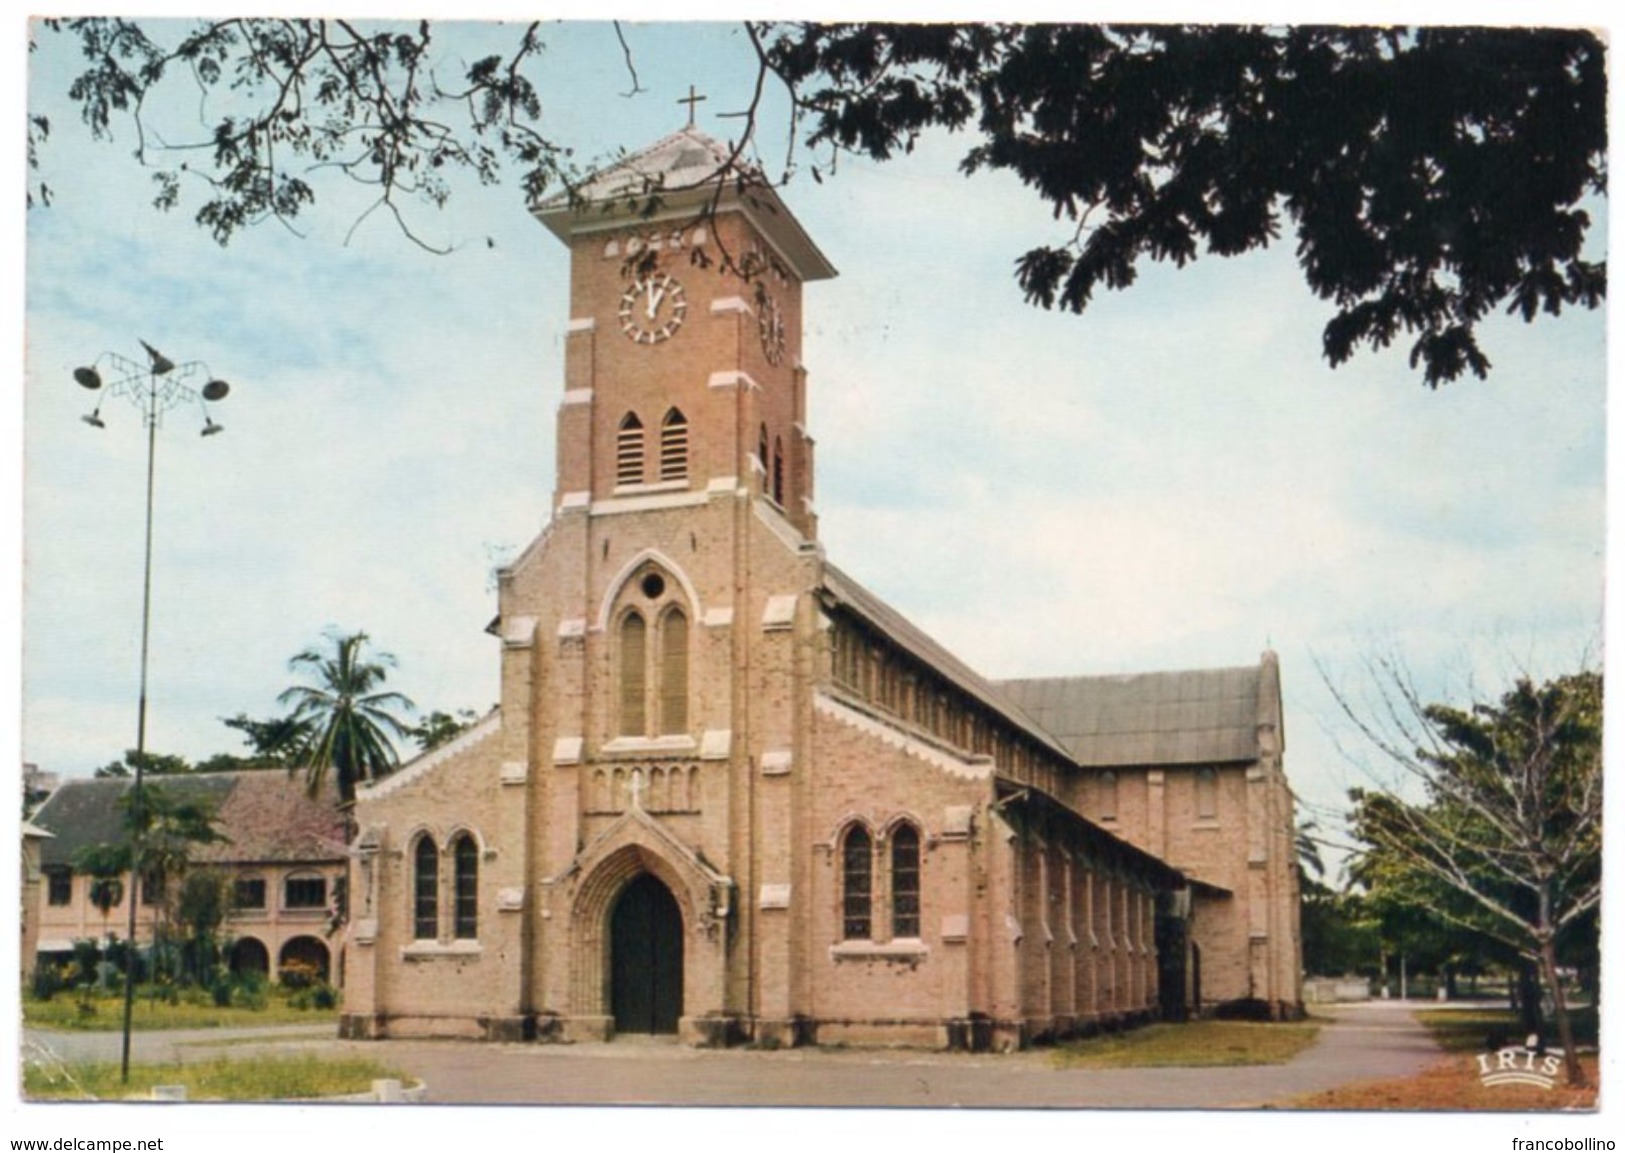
[(613, 865), (646, 948)]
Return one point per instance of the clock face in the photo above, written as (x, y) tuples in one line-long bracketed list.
[(770, 323), (652, 309)]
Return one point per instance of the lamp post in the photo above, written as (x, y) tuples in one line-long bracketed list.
[(154, 388)]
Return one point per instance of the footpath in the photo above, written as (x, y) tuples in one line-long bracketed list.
[(1371, 1041)]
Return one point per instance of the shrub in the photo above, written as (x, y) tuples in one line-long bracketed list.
[(48, 981), (324, 996), (296, 975), (220, 992)]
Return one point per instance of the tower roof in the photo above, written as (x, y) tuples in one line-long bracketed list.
[(684, 174)]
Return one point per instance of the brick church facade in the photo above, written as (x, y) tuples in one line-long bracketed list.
[(730, 793)]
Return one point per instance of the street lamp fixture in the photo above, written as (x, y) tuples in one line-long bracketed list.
[(154, 388)]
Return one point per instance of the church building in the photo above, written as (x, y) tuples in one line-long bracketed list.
[(731, 794)]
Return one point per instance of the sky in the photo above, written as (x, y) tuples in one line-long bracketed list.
[(1175, 479)]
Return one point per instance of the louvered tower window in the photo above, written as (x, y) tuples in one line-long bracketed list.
[(674, 447), (629, 450)]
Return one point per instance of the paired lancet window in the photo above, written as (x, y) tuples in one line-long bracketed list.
[(653, 676), (427, 901), (864, 887), (630, 455)]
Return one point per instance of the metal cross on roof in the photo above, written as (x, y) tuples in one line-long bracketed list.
[(691, 100)]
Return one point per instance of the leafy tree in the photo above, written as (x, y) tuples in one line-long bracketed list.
[(438, 727), (274, 740), (163, 830), (1509, 825), (1340, 934), (152, 765), (106, 866), (350, 719), (202, 905), (1431, 175), (172, 828)]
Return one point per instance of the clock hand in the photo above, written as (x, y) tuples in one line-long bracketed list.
[(655, 298)]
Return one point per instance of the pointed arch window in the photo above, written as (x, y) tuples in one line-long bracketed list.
[(905, 881), (761, 457), (778, 471), (634, 674), (674, 446), (465, 858), (629, 450), (425, 890), (673, 672), (857, 885)]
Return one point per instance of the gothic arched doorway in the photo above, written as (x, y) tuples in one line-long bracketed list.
[(646, 958)]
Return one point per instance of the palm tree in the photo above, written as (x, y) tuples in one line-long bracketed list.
[(350, 725)]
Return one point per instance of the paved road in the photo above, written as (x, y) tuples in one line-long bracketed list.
[(1364, 1042)]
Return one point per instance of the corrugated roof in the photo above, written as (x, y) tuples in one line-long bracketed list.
[(911, 639), (266, 817), (1200, 716)]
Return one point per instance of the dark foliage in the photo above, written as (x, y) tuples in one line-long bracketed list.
[(1431, 175)]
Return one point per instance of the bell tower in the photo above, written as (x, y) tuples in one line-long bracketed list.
[(683, 359)]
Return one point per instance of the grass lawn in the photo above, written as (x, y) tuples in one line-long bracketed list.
[(1453, 1085), (220, 1079), (1197, 1044), (1466, 1030), (63, 1012)]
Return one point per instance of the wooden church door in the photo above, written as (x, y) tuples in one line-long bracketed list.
[(646, 958)]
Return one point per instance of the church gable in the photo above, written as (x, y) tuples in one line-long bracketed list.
[(416, 771)]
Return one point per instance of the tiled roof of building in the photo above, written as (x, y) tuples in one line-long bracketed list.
[(265, 816), (683, 170), (1202, 716), (685, 159)]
